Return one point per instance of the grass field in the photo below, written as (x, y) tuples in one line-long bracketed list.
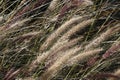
[(59, 40)]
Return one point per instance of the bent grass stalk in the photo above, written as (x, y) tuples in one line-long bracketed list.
[(59, 64), (76, 28), (58, 32), (83, 56), (51, 53), (104, 36)]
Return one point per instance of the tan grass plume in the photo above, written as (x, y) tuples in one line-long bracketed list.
[(76, 28), (58, 52), (104, 36), (27, 36), (87, 2), (59, 64), (58, 32), (116, 73), (54, 52), (53, 5), (83, 56)]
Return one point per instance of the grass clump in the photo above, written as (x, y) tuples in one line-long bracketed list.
[(59, 40)]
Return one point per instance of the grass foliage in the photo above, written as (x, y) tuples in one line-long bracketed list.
[(59, 40)]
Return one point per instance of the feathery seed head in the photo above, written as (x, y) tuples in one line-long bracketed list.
[(83, 56)]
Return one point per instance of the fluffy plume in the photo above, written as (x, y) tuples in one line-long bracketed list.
[(9, 73), (58, 32), (59, 64), (87, 2), (83, 56), (19, 23), (12, 75), (63, 38), (27, 36), (65, 42), (103, 37), (53, 5), (53, 52), (22, 2), (15, 25), (58, 52), (76, 28), (113, 49), (72, 4), (116, 73)]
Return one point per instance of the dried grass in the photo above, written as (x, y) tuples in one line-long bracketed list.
[(54, 52), (59, 64), (58, 32), (104, 36), (37, 46), (76, 28), (83, 56), (53, 5), (116, 73)]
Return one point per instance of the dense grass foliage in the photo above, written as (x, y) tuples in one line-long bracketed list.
[(59, 40)]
